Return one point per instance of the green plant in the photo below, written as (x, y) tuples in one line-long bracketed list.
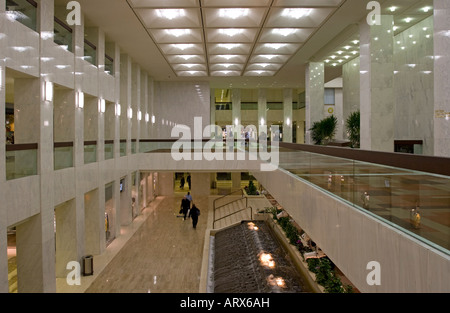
[(251, 190), (353, 125), (322, 132)]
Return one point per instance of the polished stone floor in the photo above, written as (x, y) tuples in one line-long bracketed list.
[(163, 256)]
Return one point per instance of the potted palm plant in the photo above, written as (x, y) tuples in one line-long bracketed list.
[(322, 132), (353, 125)]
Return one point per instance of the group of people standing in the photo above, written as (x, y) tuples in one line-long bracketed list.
[(189, 211), (182, 182)]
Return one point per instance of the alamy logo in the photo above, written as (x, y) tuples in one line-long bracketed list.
[(237, 136), (74, 17), (374, 17)]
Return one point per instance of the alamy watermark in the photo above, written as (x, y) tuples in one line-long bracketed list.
[(250, 142)]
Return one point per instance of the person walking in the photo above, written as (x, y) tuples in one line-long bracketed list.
[(195, 212), (189, 181), (185, 205)]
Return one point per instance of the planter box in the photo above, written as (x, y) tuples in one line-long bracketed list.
[(295, 255)]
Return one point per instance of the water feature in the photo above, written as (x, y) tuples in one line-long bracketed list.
[(248, 259)]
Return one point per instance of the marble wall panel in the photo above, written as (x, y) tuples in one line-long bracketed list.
[(64, 185), (23, 200)]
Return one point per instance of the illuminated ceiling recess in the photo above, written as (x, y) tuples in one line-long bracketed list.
[(231, 37)]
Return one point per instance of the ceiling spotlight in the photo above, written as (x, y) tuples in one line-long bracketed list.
[(296, 13), (392, 9), (426, 9), (408, 19)]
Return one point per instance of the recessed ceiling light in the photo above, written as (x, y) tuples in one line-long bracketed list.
[(426, 9), (268, 56), (187, 57), (392, 9), (347, 47), (170, 14), (229, 46), (408, 19), (340, 52), (183, 46), (284, 31), (296, 13), (275, 46), (227, 56), (231, 32), (234, 13), (178, 32)]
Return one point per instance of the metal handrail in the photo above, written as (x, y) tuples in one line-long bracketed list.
[(223, 217)]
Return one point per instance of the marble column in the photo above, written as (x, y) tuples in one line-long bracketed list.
[(165, 183), (314, 96), (442, 78), (201, 185), (236, 180), (212, 108), (35, 238), (350, 90), (125, 100), (66, 242), (3, 224), (287, 111), (262, 108), (377, 92), (151, 100), (236, 109)]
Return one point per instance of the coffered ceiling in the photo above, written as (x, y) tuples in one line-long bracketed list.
[(241, 43), (231, 38)]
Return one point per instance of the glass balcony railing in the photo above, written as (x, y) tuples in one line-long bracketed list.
[(63, 155), (413, 201), (133, 146), (21, 161), (123, 148), (90, 52), (63, 35), (109, 149), (90, 152), (23, 11), (109, 65)]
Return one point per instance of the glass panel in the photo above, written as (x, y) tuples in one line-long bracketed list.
[(123, 149), (133, 147), (63, 35), (90, 154), (414, 202), (109, 65), (23, 11), (90, 53), (21, 163), (109, 151), (63, 158)]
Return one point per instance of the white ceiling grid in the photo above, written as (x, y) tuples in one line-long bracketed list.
[(232, 37)]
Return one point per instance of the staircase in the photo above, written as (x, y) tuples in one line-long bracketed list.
[(231, 209)]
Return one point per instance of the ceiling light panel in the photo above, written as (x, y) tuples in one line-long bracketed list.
[(182, 48), (297, 17), (276, 48), (192, 73), (303, 3), (228, 58), (185, 58), (259, 73), (286, 34), (264, 66), (170, 18), (235, 3), (225, 73), (189, 67), (244, 35), (165, 3), (229, 48), (269, 58), (177, 35), (226, 67), (233, 17)]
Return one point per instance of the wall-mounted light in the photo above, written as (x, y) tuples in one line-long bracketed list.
[(139, 115), (288, 121), (262, 121), (236, 121), (153, 119), (80, 100), (130, 113), (48, 90), (118, 109), (1, 78), (147, 117), (101, 105)]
